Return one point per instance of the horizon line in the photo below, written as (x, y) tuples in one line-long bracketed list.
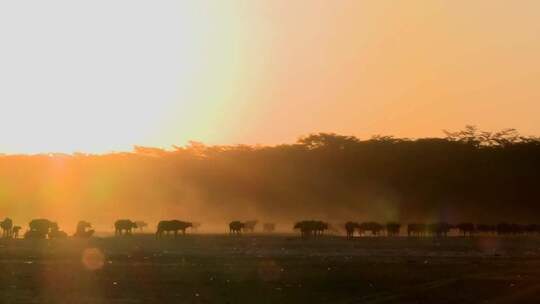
[(192, 143)]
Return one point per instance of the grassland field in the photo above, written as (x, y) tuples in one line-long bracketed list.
[(280, 268)]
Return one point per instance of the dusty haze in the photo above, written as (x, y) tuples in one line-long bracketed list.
[(467, 175)]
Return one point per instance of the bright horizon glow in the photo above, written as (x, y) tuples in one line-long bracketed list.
[(104, 76)]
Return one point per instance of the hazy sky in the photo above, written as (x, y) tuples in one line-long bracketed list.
[(104, 75)]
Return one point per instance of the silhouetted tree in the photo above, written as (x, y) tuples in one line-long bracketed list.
[(473, 174)]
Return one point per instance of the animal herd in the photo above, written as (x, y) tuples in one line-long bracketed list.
[(439, 229), (46, 229), (8, 229)]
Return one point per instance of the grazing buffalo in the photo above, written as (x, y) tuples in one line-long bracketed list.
[(40, 229), (393, 228), (124, 227), (416, 229), (305, 227), (350, 227), (43, 228), (84, 230), (373, 227), (34, 234), (319, 227), (488, 229), (195, 227), (311, 228), (141, 225), (466, 228), (56, 233), (334, 229), (236, 227), (249, 226), (15, 231), (439, 229), (532, 228), (7, 226), (172, 226), (510, 229), (269, 227)]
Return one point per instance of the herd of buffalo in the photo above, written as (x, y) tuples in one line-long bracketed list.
[(46, 229)]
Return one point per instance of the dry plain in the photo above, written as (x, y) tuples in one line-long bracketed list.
[(214, 268)]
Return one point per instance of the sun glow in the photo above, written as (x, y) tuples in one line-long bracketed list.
[(99, 76), (105, 75)]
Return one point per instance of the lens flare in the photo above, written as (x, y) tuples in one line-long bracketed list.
[(93, 259)]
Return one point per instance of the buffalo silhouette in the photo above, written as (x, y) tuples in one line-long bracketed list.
[(532, 228), (7, 226), (466, 228), (439, 229), (56, 233), (15, 232), (310, 228), (195, 226), (393, 228), (172, 226), (487, 229), (510, 229), (372, 227), (141, 225), (83, 230), (43, 228), (124, 227), (417, 229), (249, 226), (350, 228), (269, 227), (236, 227)]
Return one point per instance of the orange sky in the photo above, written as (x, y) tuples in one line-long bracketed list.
[(105, 75)]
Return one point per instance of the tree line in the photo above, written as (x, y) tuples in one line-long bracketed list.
[(469, 175)]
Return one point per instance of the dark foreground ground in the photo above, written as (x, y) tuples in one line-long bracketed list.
[(271, 269)]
